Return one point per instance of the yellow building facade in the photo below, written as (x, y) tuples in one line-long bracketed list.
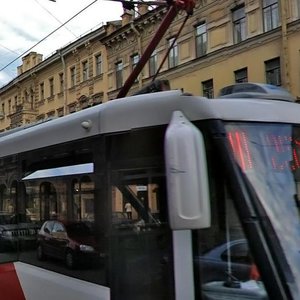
[(223, 42)]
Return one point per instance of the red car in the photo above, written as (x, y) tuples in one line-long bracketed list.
[(72, 242)]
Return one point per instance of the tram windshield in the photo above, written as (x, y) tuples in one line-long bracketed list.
[(269, 156)]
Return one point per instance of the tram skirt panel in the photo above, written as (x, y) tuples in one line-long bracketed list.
[(10, 286)]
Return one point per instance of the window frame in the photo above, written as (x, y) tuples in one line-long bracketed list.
[(98, 64), (51, 87), (61, 82), (153, 63), (239, 24), (273, 71), (73, 76), (271, 18), (241, 75), (173, 57), (42, 91), (208, 88), (85, 70), (201, 39), (119, 74)]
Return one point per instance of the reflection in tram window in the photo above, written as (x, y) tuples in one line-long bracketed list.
[(67, 199), (83, 199), (48, 201), (143, 201), (143, 238)]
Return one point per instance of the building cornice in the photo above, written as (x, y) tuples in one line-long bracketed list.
[(32, 73), (151, 17), (224, 53)]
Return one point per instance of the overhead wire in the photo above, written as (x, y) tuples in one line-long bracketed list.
[(54, 17), (10, 50), (130, 2), (44, 38)]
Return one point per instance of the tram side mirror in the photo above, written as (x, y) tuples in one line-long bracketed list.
[(186, 170)]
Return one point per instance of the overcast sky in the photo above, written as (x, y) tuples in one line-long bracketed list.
[(24, 23)]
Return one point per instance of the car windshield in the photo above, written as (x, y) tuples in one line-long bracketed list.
[(269, 156)]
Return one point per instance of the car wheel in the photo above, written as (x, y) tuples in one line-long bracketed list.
[(70, 260), (40, 253)]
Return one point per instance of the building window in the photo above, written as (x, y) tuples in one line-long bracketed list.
[(241, 75), (173, 54), (83, 102), (42, 91), (85, 71), (72, 108), (61, 82), (201, 40), (271, 14), (239, 24), (9, 106), (272, 68), (73, 76), (32, 98), (51, 87), (26, 95), (51, 114), (134, 60), (60, 112), (40, 117), (98, 61), (153, 63), (97, 99), (119, 74), (208, 88)]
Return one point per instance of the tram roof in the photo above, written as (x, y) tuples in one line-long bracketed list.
[(143, 111)]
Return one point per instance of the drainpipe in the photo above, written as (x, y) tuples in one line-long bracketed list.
[(285, 49), (65, 82), (140, 77)]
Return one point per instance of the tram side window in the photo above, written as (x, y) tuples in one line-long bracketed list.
[(16, 228), (83, 199), (9, 218), (67, 241), (135, 205), (140, 233)]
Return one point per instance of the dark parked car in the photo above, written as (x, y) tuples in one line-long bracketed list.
[(232, 257), (17, 232), (72, 242)]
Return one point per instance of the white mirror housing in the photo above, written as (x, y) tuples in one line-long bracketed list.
[(187, 179)]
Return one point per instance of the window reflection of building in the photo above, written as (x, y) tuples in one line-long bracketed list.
[(48, 196), (13, 197), (4, 198), (145, 194), (60, 198), (83, 199)]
